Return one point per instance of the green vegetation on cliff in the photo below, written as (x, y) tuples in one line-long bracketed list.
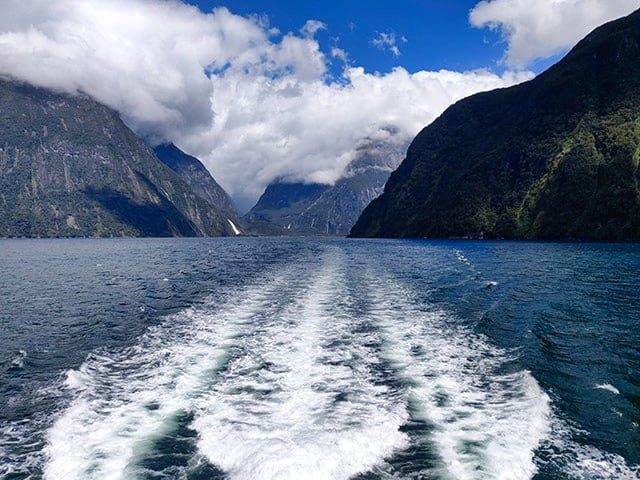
[(553, 158)]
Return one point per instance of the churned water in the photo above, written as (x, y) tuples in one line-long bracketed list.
[(279, 358)]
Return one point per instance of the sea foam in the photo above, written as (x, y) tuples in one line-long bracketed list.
[(301, 402), (319, 376), (486, 421), (125, 400)]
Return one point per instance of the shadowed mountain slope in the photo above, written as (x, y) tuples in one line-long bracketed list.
[(556, 157), (315, 209)]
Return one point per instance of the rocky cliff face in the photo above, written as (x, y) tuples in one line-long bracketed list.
[(70, 167), (196, 175), (314, 209), (556, 157)]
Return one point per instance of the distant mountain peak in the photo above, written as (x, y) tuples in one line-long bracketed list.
[(299, 208), (197, 176)]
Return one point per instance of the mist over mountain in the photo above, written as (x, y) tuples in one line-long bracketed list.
[(253, 103), (299, 208), (556, 157)]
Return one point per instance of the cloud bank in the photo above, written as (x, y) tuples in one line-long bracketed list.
[(253, 103), (309, 130), (535, 29)]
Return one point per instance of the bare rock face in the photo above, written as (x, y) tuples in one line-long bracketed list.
[(315, 209), (196, 175), (69, 166)]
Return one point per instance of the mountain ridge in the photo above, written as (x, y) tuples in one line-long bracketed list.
[(318, 209), (69, 167), (552, 158), (196, 175)]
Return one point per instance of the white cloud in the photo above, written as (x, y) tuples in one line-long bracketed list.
[(267, 128), (388, 41), (144, 58), (251, 103), (535, 29), (311, 27), (340, 54)]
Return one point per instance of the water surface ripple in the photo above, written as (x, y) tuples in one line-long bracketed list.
[(319, 359)]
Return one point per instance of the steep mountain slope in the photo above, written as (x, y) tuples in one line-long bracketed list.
[(315, 209), (556, 157), (281, 208), (196, 175), (70, 167)]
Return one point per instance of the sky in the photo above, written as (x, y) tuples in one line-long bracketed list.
[(426, 25), (268, 89)]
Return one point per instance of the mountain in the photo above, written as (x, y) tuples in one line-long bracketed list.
[(556, 157), (317, 209), (196, 175), (69, 166), (282, 206)]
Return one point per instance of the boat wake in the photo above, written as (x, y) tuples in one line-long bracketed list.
[(300, 398), (326, 372)]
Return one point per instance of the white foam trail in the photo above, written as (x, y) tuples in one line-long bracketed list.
[(125, 401), (302, 402), (585, 462), (608, 387), (486, 424), (283, 382)]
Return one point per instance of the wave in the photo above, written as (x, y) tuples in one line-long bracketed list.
[(579, 461), (461, 257), (485, 423), (18, 359), (318, 372), (608, 387), (124, 401)]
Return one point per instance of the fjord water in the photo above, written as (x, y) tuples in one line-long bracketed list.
[(275, 358)]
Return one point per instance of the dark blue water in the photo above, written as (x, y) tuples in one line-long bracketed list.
[(318, 358)]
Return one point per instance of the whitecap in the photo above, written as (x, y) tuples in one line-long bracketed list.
[(18, 360), (460, 256), (608, 387)]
